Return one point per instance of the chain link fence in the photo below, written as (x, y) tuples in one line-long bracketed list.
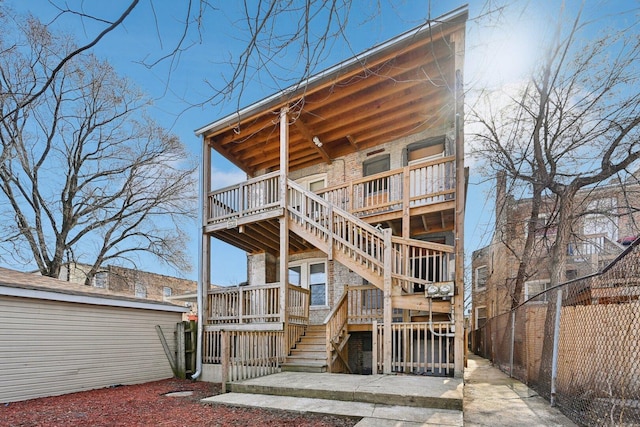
[(595, 320)]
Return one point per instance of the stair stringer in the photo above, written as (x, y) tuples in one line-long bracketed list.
[(374, 277)]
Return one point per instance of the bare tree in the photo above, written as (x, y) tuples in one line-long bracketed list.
[(278, 43), (573, 127), (85, 174)]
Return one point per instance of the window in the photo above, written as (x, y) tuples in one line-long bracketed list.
[(318, 284), (313, 183), (311, 274), (534, 287), (167, 291), (100, 279), (481, 317), (481, 277), (141, 290), (376, 165), (422, 151), (379, 185)]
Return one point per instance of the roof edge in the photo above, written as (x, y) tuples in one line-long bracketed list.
[(277, 97)]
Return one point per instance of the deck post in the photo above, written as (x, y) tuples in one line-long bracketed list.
[(406, 193), (388, 309), (284, 222), (458, 315), (374, 348)]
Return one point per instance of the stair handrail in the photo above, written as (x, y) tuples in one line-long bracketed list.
[(328, 220), (335, 325), (336, 213)]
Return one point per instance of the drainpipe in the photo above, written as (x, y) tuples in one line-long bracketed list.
[(198, 371), (201, 282)]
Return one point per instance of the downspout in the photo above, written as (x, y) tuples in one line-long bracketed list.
[(200, 287), (198, 371)]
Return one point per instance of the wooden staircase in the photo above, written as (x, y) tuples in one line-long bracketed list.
[(310, 353), (362, 248)]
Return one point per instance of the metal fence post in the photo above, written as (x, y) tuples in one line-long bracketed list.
[(556, 345), (513, 340)]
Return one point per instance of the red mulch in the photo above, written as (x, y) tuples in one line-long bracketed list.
[(146, 405)]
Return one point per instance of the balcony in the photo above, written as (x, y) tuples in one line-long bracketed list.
[(425, 188)]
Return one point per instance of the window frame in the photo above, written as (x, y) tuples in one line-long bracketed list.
[(476, 285), (95, 281), (527, 294), (477, 317), (305, 278), (140, 290)]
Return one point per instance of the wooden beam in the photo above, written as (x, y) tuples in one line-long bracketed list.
[(387, 304), (308, 137), (458, 40), (283, 220), (424, 223), (419, 302)]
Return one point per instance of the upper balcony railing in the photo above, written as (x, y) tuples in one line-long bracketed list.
[(248, 198), (414, 185)]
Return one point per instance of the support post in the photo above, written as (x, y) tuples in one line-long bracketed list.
[(458, 299), (388, 308), (284, 223), (406, 197), (374, 348), (225, 354)]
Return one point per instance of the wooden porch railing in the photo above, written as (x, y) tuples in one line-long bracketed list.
[(256, 304), (337, 336), (414, 185), (416, 263), (417, 347), (250, 354), (244, 304), (251, 197)]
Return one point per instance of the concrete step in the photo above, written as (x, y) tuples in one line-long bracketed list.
[(379, 400), (306, 366), (371, 414), (418, 391)]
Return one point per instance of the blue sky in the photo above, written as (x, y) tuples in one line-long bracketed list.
[(492, 59)]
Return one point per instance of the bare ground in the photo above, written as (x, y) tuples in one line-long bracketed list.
[(147, 405)]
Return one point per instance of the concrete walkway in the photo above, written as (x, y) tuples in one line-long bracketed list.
[(491, 398), (379, 400), (488, 397)]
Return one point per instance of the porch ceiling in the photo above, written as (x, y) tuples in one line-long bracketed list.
[(396, 89), (261, 237)]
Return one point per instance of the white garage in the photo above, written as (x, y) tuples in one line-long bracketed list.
[(58, 337)]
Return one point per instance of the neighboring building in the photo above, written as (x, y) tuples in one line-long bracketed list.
[(351, 214), (60, 337), (133, 283), (607, 222)]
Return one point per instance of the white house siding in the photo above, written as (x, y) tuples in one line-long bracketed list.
[(50, 347)]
